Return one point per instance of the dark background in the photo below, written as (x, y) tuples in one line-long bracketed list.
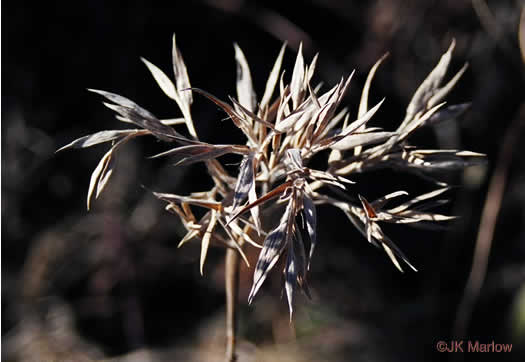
[(112, 284)]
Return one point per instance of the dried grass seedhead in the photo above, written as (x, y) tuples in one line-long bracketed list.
[(288, 125)]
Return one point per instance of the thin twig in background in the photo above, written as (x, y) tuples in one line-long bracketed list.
[(497, 33), (489, 218), (488, 21), (521, 33)]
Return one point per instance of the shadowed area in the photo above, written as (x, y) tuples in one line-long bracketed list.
[(111, 285)]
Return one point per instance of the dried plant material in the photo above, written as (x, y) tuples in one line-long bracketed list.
[(250, 115), (245, 92), (441, 93), (208, 204), (295, 270), (240, 122), (138, 115), (420, 198), (293, 160), (430, 85), (172, 121), (182, 81), (245, 180), (290, 272), (103, 171), (279, 190), (381, 202), (272, 248), (272, 80), (254, 211), (448, 113), (201, 152), (97, 138), (162, 80), (310, 218), (181, 75), (290, 126), (351, 128), (297, 83), (356, 140), (124, 102), (206, 239), (363, 103)]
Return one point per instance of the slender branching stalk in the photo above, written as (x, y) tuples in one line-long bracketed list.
[(232, 300)]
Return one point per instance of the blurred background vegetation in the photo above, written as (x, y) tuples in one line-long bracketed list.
[(111, 284)]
